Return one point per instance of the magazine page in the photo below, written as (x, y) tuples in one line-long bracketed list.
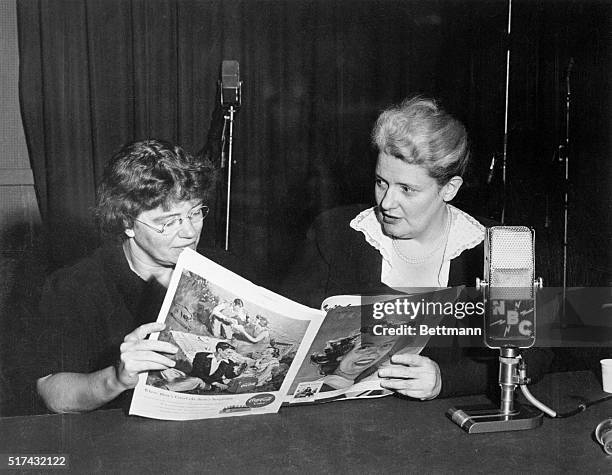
[(358, 336), (240, 346)]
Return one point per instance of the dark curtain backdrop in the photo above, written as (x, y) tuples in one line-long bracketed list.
[(98, 73)]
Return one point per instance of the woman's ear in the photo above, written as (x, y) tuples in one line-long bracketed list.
[(449, 191), (128, 228)]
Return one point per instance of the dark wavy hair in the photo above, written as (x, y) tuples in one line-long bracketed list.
[(144, 175), (329, 360)]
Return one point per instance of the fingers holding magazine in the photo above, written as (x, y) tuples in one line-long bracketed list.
[(139, 355), (412, 375)]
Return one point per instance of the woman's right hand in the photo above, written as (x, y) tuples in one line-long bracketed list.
[(139, 355), (412, 375)]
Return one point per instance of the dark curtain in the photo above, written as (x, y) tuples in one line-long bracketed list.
[(98, 73)]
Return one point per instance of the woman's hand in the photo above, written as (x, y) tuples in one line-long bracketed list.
[(139, 355), (412, 375)]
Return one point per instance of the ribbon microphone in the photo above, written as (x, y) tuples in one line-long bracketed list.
[(509, 293)]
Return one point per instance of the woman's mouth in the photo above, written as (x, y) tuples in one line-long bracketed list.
[(190, 245), (388, 218)]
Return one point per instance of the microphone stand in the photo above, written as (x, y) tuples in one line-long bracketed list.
[(228, 116), (565, 159), (510, 415), (512, 373), (230, 105)]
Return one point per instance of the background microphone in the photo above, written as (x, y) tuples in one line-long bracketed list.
[(509, 268), (230, 84)]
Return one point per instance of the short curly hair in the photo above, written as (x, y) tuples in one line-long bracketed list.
[(421, 132), (144, 175)]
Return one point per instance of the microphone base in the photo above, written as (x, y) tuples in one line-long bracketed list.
[(488, 418)]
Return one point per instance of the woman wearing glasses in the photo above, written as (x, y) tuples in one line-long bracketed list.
[(98, 313)]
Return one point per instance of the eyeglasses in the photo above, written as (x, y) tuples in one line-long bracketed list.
[(195, 216)]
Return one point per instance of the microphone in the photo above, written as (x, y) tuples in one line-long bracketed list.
[(230, 85), (509, 287), (509, 290)]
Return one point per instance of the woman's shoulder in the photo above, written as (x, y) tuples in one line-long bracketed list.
[(79, 271), (474, 218), (486, 222), (332, 227), (334, 219), (92, 273), (338, 242)]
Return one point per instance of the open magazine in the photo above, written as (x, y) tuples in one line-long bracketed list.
[(246, 350)]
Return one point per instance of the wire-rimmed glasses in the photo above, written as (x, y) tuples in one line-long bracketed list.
[(195, 216)]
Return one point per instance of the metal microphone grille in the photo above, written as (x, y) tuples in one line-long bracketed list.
[(230, 73), (511, 261)]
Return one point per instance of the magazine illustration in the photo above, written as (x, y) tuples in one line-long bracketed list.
[(353, 343), (240, 346)]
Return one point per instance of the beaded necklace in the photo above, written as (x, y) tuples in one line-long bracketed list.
[(438, 244)]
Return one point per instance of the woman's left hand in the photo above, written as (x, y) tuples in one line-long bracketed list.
[(412, 375)]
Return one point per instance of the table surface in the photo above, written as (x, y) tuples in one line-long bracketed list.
[(388, 435)]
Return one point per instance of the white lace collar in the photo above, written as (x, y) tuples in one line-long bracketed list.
[(465, 233)]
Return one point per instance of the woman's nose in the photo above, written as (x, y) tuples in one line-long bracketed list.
[(188, 230), (388, 200)]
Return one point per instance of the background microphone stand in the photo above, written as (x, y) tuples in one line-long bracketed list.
[(565, 159), (228, 117), (505, 146), (230, 90), (504, 154)]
